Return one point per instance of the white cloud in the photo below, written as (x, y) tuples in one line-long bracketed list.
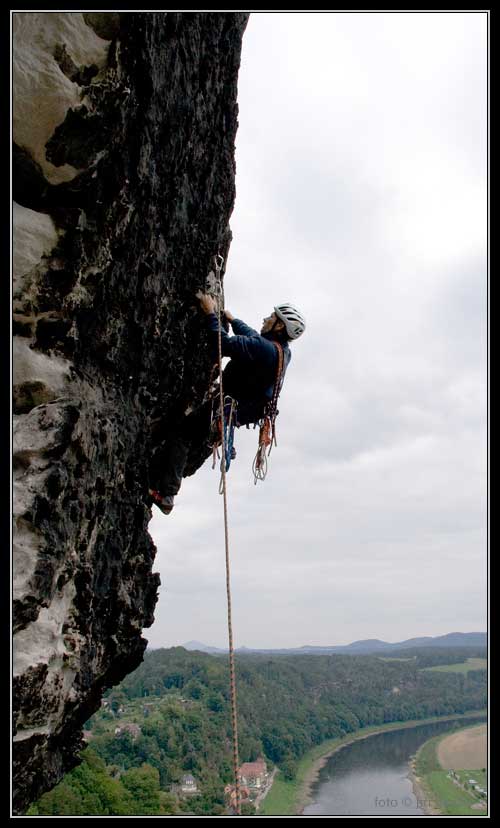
[(361, 182)]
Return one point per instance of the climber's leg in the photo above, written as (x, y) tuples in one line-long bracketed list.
[(170, 478), (173, 457), (164, 503), (174, 463)]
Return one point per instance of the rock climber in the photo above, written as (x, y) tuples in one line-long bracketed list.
[(248, 378)]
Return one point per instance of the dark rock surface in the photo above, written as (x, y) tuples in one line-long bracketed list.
[(114, 304)]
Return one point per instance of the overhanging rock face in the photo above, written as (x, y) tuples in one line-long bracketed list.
[(124, 130)]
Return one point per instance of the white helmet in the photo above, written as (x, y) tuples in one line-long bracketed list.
[(295, 323)]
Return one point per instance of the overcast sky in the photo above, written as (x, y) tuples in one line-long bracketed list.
[(362, 198)]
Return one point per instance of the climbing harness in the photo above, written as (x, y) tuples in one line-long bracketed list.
[(267, 425), (226, 436)]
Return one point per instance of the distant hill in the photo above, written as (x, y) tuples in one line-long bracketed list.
[(202, 648), (364, 647)]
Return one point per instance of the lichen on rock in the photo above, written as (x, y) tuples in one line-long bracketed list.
[(123, 181)]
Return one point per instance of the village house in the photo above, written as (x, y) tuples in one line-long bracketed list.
[(254, 774), (128, 727), (188, 784)]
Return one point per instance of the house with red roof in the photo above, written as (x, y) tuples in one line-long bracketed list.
[(254, 774)]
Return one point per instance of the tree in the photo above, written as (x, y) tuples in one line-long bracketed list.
[(215, 702), (289, 767), (143, 785), (87, 790), (61, 801), (168, 803)]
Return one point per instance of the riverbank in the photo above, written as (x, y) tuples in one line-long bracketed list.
[(446, 793), (289, 798), (424, 797)]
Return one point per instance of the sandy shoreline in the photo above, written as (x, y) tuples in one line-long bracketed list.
[(304, 797)]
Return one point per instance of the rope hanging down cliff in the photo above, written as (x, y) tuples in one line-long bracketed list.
[(252, 350), (232, 678)]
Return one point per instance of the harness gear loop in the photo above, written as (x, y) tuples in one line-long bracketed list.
[(228, 426), (232, 678), (267, 430)]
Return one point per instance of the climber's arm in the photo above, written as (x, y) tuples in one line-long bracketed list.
[(241, 328), (246, 346)]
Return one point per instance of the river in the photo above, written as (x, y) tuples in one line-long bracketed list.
[(370, 777)]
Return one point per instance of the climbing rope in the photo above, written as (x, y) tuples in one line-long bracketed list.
[(222, 430), (223, 488)]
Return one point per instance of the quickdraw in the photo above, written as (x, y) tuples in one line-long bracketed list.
[(259, 467)]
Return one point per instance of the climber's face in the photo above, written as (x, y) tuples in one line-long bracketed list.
[(268, 323)]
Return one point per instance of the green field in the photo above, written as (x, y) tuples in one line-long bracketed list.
[(463, 667), (394, 658), (451, 799), (478, 775), (440, 788)]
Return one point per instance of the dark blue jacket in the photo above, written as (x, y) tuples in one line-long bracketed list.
[(250, 375)]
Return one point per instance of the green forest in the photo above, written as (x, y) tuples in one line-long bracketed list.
[(173, 718)]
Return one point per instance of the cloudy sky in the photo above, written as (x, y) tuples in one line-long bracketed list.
[(362, 198)]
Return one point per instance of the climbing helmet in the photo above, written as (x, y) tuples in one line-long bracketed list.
[(295, 323)]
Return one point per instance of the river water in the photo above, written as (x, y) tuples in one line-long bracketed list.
[(370, 777)]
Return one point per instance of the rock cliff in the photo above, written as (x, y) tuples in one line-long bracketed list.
[(123, 183)]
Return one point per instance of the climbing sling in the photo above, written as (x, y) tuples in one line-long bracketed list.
[(228, 425), (267, 426)]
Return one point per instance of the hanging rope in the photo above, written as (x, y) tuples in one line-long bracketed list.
[(232, 676)]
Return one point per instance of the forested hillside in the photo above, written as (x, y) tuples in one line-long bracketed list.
[(179, 703)]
